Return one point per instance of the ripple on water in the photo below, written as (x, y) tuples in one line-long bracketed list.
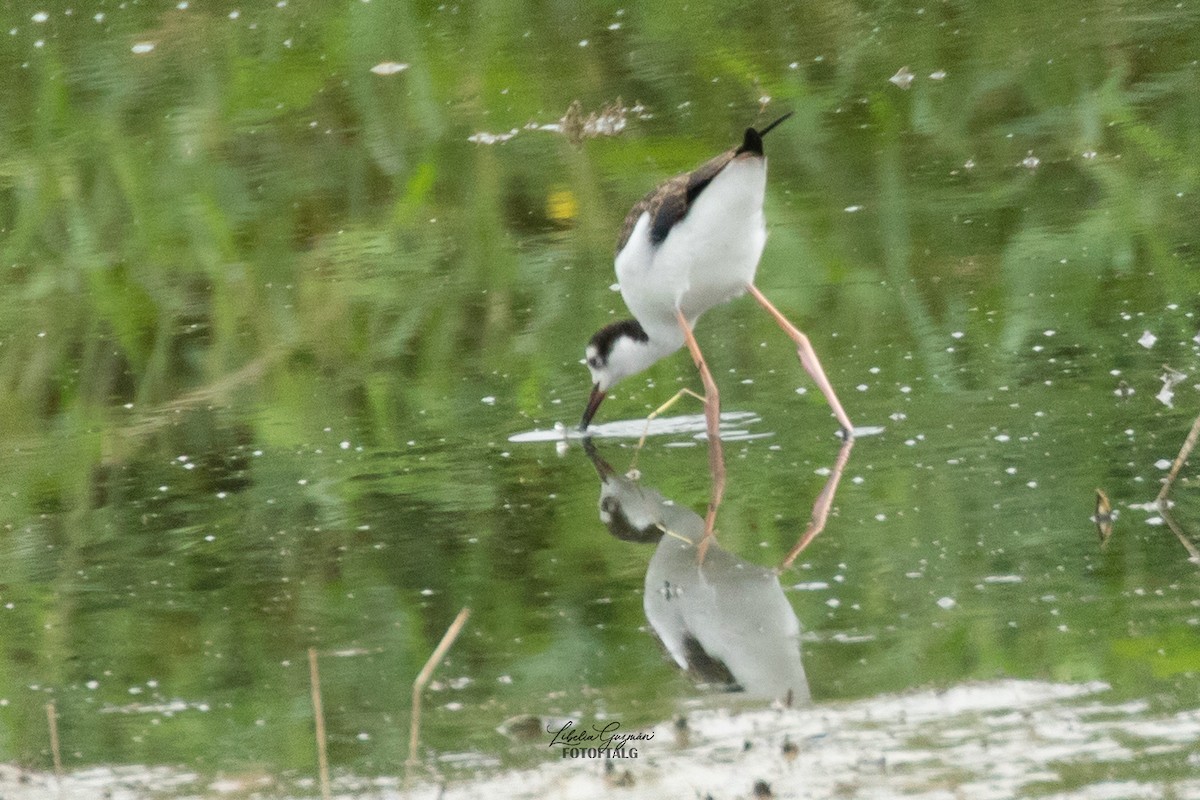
[(733, 425), (734, 428)]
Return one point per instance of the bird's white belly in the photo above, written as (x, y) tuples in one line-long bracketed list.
[(708, 257)]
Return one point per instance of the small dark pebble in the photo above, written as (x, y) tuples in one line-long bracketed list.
[(790, 750), (683, 736), (615, 778)]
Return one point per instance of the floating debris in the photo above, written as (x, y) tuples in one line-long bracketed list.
[(389, 67), (1147, 339), (1123, 390), (903, 78), (354, 652), (529, 727), (141, 48), (483, 137), (610, 120), (938, 75), (1170, 379), (1030, 162), (166, 708), (1104, 518)]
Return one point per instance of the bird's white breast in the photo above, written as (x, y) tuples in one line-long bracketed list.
[(708, 257)]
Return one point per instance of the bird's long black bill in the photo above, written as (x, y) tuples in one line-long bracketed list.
[(593, 403), (770, 127), (602, 467)]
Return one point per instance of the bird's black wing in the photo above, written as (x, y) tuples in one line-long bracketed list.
[(668, 203)]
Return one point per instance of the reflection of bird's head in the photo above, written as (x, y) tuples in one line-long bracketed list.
[(631, 512), (623, 520)]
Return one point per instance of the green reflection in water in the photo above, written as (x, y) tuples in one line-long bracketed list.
[(269, 319)]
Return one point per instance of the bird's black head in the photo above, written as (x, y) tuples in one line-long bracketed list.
[(611, 355), (600, 347)]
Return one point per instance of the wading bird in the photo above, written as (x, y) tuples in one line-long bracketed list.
[(692, 243)]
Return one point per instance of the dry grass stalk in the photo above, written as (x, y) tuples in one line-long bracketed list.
[(423, 677), (1189, 444), (314, 678), (124, 440), (55, 752), (1193, 553)]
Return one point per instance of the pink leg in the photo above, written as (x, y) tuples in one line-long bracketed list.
[(808, 358), (712, 418), (824, 502)]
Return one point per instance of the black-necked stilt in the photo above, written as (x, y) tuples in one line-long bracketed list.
[(692, 243)]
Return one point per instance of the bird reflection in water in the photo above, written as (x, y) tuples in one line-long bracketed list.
[(724, 620)]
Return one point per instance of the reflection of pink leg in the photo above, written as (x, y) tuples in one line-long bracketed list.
[(712, 418), (808, 358), (824, 502), (637, 451)]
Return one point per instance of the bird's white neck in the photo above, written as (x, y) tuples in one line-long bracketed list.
[(631, 356)]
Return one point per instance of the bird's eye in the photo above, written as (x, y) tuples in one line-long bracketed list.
[(594, 362)]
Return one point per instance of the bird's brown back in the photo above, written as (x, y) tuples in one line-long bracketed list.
[(669, 202)]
